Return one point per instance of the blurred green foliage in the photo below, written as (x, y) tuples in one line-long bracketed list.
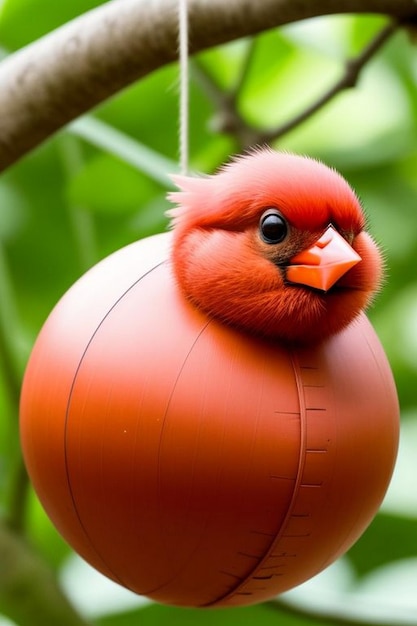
[(71, 202), (158, 615)]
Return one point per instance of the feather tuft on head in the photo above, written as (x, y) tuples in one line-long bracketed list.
[(264, 178), (188, 188)]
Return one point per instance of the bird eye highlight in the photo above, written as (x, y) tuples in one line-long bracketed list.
[(272, 227)]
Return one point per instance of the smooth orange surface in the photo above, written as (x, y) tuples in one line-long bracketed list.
[(323, 264), (193, 463)]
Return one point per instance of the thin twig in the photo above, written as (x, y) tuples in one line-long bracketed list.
[(353, 69), (229, 120), (244, 69), (226, 118)]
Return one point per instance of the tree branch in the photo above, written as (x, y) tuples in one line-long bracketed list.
[(229, 120), (68, 72)]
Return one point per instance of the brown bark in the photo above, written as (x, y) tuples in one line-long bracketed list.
[(56, 79)]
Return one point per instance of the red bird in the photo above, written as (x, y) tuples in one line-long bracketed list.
[(275, 244)]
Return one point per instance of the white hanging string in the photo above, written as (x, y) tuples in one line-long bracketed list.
[(184, 85)]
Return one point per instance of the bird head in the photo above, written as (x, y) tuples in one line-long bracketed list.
[(274, 244)]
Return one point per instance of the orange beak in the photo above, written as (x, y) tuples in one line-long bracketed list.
[(324, 263)]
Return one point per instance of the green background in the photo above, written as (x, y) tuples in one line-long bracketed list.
[(86, 193)]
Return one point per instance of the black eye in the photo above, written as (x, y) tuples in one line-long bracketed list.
[(272, 226)]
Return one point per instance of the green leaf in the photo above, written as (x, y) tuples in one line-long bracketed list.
[(108, 138), (158, 615), (224, 62), (13, 211), (43, 257), (362, 30), (276, 85), (108, 185), (148, 111), (389, 538), (151, 219)]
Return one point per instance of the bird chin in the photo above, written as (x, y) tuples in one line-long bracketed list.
[(335, 289), (338, 288)]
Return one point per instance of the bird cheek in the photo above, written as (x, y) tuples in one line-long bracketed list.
[(373, 260), (368, 274)]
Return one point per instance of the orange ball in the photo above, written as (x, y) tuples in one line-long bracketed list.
[(190, 462)]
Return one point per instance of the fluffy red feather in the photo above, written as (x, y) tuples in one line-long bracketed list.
[(223, 265)]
